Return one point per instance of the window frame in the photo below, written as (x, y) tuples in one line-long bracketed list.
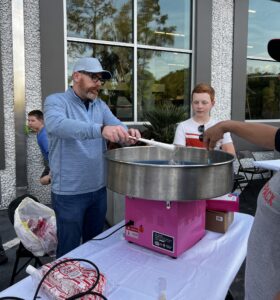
[(135, 46), (239, 73), (53, 34)]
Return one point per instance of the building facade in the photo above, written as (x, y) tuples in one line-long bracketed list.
[(156, 50)]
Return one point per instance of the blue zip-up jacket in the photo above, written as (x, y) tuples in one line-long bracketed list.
[(76, 146), (42, 140)]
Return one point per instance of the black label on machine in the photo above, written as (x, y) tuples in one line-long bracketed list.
[(163, 241)]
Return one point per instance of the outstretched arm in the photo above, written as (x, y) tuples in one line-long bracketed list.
[(259, 134)]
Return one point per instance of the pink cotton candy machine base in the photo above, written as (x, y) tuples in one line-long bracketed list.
[(168, 227)]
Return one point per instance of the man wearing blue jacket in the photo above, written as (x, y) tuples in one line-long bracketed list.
[(78, 124)]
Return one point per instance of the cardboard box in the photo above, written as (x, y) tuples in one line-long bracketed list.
[(218, 221), (228, 202)]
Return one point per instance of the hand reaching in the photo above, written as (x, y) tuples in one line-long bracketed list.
[(118, 134)]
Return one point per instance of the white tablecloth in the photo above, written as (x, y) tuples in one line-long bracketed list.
[(205, 271), (273, 164)]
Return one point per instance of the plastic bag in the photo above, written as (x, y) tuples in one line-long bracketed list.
[(35, 225), (68, 279)]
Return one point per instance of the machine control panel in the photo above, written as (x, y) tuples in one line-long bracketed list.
[(163, 241)]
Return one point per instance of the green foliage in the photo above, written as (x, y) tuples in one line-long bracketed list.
[(27, 130), (263, 96), (176, 84), (163, 121)]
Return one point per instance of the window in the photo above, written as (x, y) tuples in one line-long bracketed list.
[(161, 76), (263, 74), (145, 44)]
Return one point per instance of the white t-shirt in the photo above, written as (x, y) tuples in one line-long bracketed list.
[(187, 133)]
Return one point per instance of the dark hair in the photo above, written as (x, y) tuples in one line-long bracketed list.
[(36, 113), (204, 88)]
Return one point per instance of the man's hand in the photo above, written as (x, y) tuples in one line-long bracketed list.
[(212, 135), (118, 134), (259, 134), (115, 134), (45, 180), (134, 133)]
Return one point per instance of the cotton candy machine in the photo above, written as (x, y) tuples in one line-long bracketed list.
[(162, 190)]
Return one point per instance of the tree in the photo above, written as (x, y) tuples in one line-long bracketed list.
[(163, 121)]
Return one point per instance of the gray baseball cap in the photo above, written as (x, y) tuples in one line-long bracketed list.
[(91, 65)]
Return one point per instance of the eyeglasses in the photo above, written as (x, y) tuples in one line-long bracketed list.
[(201, 130), (93, 77)]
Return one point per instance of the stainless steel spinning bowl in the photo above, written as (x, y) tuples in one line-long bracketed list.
[(143, 172)]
